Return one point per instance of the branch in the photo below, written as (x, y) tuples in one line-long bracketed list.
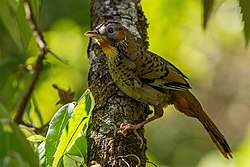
[(38, 66), (113, 107), (35, 130)]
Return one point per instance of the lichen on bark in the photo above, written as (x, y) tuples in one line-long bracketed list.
[(113, 107)]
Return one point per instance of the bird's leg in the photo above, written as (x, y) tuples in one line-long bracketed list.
[(158, 112)]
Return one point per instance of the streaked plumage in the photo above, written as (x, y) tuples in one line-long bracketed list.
[(151, 79)]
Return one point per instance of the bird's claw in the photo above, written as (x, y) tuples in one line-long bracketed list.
[(123, 130)]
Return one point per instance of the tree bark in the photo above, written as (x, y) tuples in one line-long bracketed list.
[(105, 146)]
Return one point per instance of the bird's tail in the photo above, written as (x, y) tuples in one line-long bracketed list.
[(186, 102)]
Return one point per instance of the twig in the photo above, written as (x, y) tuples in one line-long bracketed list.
[(38, 66), (33, 129), (64, 61)]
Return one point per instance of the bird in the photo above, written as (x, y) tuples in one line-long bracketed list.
[(150, 79)]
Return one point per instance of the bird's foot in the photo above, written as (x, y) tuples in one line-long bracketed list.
[(125, 127)]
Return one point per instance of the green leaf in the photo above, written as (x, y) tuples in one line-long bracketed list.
[(36, 138), (207, 9), (55, 130), (245, 10), (41, 153), (12, 15), (79, 148), (16, 150), (69, 161), (77, 122)]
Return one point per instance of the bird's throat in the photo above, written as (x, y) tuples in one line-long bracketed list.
[(109, 50)]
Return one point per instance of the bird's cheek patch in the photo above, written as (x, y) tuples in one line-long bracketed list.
[(120, 35)]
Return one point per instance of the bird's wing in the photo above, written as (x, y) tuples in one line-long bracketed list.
[(160, 74)]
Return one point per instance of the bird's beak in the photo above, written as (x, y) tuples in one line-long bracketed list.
[(93, 34)]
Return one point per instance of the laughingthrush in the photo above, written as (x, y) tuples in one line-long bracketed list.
[(149, 78)]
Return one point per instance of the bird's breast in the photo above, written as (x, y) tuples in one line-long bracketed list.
[(123, 72)]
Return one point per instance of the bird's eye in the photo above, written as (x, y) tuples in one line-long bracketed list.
[(110, 30)]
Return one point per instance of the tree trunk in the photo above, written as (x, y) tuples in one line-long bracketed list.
[(105, 146)]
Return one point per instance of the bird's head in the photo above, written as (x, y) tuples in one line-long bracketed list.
[(108, 35)]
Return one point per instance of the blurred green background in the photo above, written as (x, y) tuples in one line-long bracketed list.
[(216, 61)]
